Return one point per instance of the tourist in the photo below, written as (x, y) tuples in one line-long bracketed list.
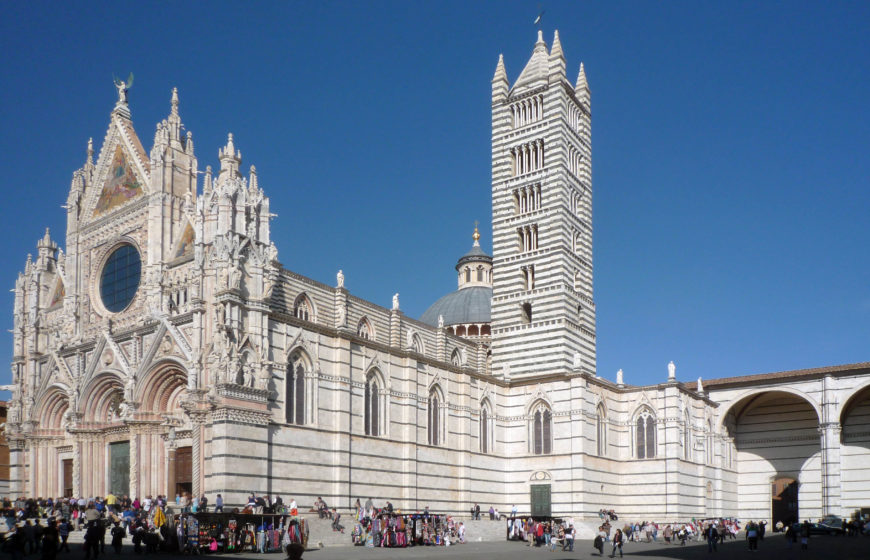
[(461, 532), (805, 535), (63, 530), (219, 504), (598, 543), (203, 504), (491, 513), (294, 508), (92, 540), (477, 512), (569, 539), (336, 517), (712, 536), (118, 534), (49, 541), (617, 543), (752, 535)]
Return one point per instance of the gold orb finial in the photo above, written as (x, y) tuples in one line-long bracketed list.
[(476, 234)]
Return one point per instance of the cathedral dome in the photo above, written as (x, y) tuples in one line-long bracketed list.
[(467, 310), (469, 305)]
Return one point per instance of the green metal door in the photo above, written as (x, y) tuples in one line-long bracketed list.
[(119, 468), (541, 500)]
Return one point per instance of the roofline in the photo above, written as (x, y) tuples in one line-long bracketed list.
[(839, 370)]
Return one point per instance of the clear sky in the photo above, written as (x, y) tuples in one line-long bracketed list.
[(730, 151)]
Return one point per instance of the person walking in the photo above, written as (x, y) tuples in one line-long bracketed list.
[(618, 538), (712, 536), (219, 504), (63, 530), (752, 535), (118, 534), (805, 535), (569, 538)]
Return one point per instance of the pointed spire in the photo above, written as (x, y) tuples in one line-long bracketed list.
[(90, 160), (537, 67), (500, 84), (557, 60), (252, 182), (581, 80), (174, 102), (500, 72), (556, 49)]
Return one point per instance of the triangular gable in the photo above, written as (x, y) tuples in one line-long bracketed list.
[(121, 173), (184, 247), (120, 185), (59, 293)]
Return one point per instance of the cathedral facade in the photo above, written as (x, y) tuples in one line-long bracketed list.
[(166, 348)]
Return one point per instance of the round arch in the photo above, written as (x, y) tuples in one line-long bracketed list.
[(752, 394), (51, 407), (849, 403), (99, 395), (162, 387)]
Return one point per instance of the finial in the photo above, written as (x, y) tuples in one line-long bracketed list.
[(619, 380), (700, 388), (230, 149), (90, 151), (540, 36), (672, 370), (175, 101), (476, 234)]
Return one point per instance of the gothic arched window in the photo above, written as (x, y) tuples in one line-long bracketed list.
[(302, 308), (485, 428), (645, 435), (295, 391), (364, 329), (601, 429), (456, 358), (372, 407), (416, 344), (542, 431), (434, 418)]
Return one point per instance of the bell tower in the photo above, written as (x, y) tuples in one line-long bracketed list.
[(543, 310)]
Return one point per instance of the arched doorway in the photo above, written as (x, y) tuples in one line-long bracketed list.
[(784, 500)]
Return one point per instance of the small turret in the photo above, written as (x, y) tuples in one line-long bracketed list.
[(230, 159)]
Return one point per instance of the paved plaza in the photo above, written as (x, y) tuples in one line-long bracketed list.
[(772, 548)]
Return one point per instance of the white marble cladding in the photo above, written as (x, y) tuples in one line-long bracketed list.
[(200, 368)]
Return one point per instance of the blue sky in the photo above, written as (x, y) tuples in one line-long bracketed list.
[(730, 151)]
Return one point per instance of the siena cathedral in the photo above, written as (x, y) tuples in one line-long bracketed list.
[(165, 348)]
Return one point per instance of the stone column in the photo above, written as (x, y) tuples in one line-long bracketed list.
[(77, 468), (170, 469), (196, 459), (134, 465), (831, 489)]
